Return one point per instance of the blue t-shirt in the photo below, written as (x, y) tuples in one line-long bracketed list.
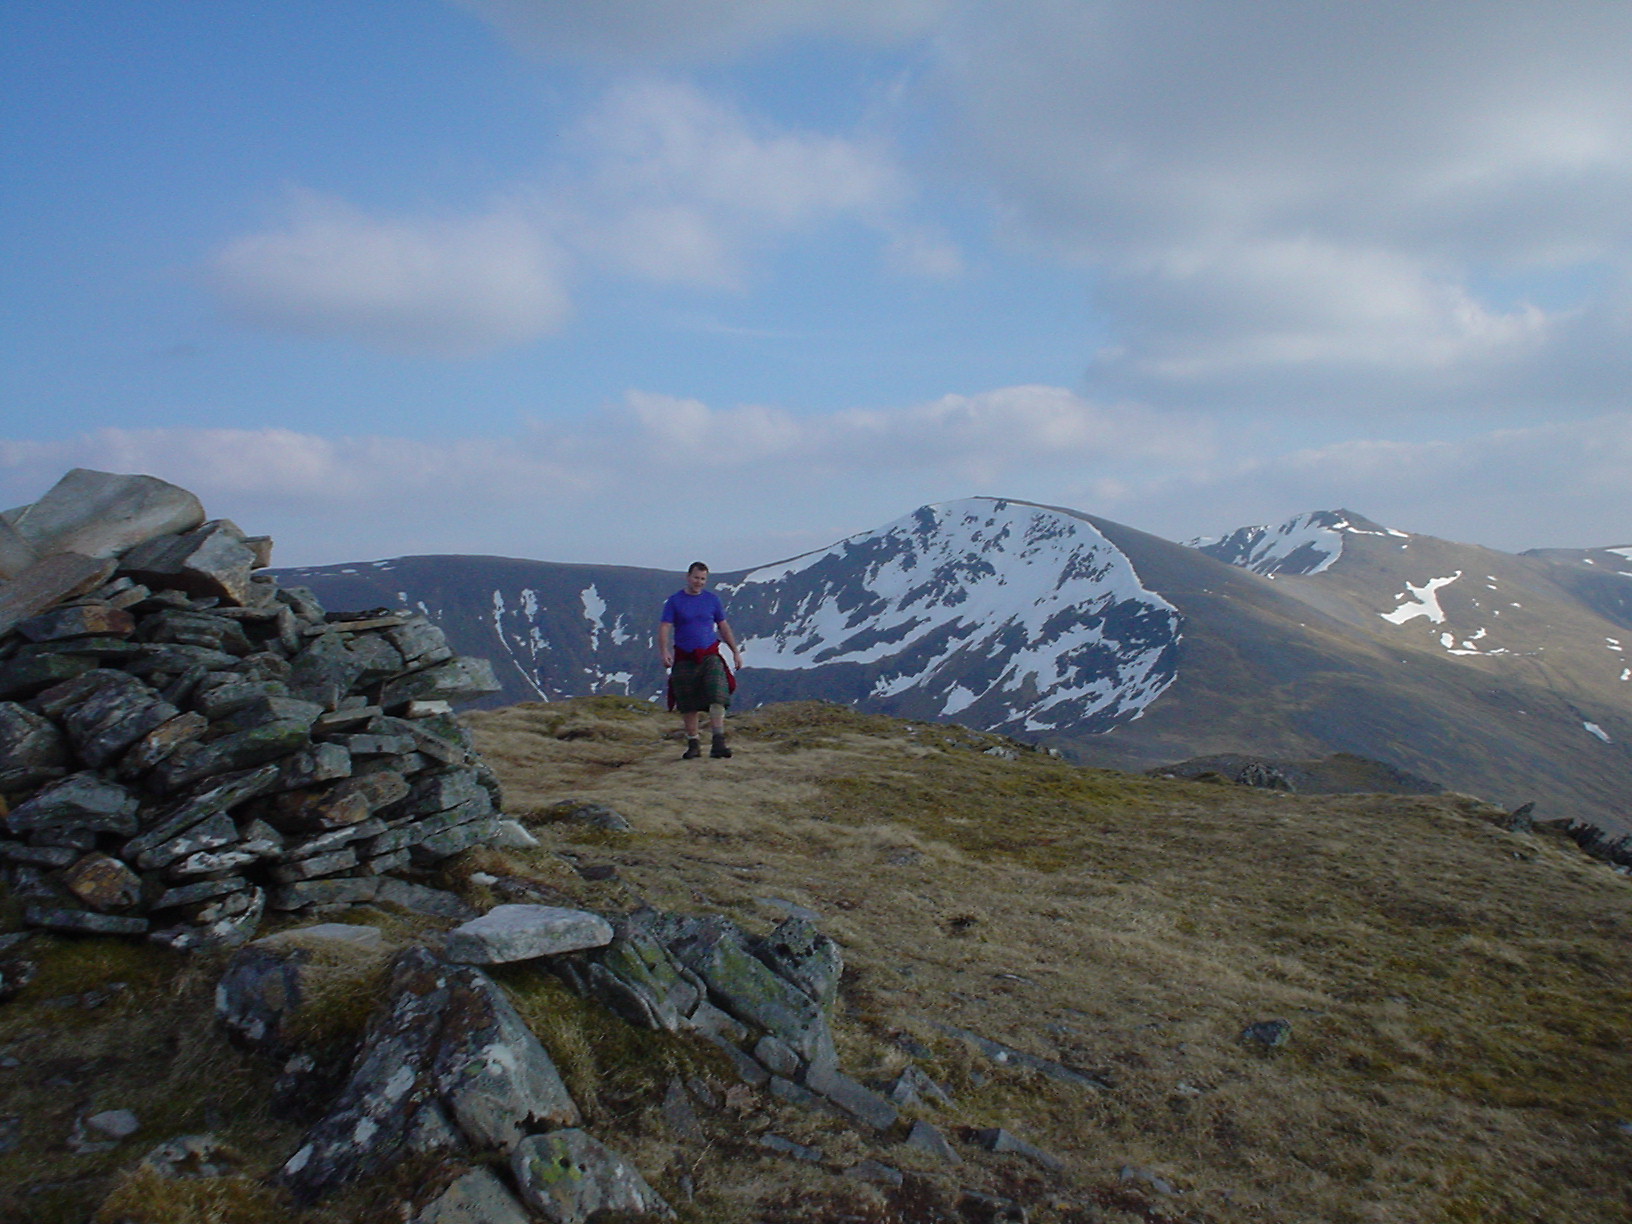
[(694, 618)]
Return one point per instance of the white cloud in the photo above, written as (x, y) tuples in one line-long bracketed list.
[(1564, 484), (1295, 302), (678, 186), (666, 184), (661, 475), (1292, 192), (450, 288), (598, 488), (667, 31)]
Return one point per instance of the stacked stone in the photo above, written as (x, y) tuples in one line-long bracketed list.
[(185, 744), (1599, 843)]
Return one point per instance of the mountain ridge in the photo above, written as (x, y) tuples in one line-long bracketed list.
[(1499, 674)]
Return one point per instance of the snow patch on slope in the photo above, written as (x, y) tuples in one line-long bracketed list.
[(1421, 601)]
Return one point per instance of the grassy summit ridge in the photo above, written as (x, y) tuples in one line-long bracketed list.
[(1458, 995)]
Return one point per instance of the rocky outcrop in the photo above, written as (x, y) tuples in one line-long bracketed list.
[(185, 745), (763, 1001), (445, 1066)]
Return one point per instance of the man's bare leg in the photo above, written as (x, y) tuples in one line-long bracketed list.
[(694, 748)]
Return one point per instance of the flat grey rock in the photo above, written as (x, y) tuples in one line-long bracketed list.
[(476, 1198), (523, 932)]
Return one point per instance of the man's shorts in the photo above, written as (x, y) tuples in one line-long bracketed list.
[(698, 684)]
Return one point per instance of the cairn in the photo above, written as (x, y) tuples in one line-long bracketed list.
[(184, 744)]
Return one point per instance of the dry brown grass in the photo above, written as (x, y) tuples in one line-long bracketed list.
[(1458, 994)]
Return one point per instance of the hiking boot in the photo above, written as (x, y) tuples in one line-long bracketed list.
[(718, 748), (694, 749)]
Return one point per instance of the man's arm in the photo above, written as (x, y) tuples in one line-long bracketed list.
[(730, 639), (665, 643)]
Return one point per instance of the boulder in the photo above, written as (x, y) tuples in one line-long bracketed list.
[(797, 951), (102, 514), (717, 950), (16, 553), (492, 1075), (446, 1062), (478, 1197), (568, 1176)]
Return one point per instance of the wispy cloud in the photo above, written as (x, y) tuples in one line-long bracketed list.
[(664, 183), (1296, 205), (449, 288)]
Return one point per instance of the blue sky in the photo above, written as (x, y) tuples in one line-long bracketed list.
[(643, 280)]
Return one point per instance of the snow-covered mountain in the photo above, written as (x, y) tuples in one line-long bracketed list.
[(1008, 614), (1505, 675), (1307, 544)]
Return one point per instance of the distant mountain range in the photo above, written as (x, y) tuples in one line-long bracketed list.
[(1504, 675)]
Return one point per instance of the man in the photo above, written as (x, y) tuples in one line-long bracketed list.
[(688, 640)]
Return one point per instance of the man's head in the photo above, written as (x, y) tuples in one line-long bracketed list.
[(696, 577)]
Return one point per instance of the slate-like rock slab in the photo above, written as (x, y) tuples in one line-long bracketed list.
[(212, 560), (48, 582), (102, 514), (80, 801), (997, 1139), (523, 932), (568, 1176), (32, 749)]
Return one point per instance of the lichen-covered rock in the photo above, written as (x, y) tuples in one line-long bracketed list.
[(268, 982), (79, 620), (495, 1079), (239, 750), (717, 950), (636, 977), (103, 883), (113, 712), (568, 1176), (797, 951), (446, 1059)]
